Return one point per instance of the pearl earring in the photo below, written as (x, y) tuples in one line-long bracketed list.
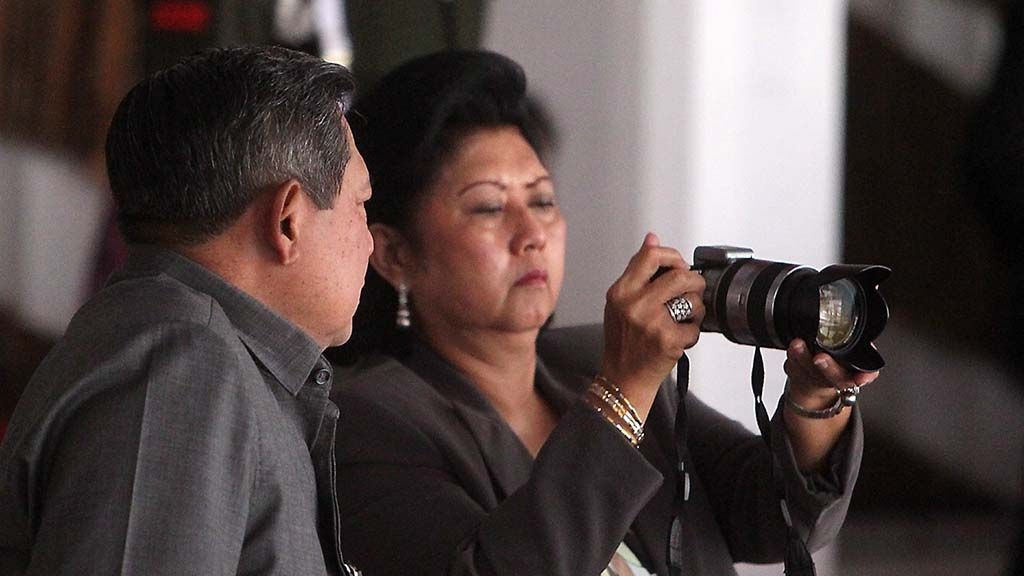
[(403, 319)]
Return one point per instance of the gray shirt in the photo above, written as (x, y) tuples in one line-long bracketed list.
[(180, 427)]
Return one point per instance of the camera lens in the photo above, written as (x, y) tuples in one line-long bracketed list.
[(838, 310), (839, 306)]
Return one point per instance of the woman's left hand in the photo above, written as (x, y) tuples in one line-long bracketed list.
[(814, 378), (813, 383)]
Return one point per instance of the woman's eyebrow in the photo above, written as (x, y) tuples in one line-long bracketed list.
[(539, 180), (499, 184)]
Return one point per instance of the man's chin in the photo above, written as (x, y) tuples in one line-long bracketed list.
[(343, 336)]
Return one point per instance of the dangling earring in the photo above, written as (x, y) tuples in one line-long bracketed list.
[(403, 319)]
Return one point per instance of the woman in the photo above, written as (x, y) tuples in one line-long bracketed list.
[(470, 442)]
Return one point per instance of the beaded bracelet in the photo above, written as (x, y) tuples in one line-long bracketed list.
[(845, 397)]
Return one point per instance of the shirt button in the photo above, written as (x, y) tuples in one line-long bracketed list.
[(323, 377)]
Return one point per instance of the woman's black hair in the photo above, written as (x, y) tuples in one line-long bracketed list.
[(406, 128)]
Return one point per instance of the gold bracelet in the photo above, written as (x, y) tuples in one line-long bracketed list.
[(617, 392), (630, 413), (621, 410), (594, 400), (609, 401), (630, 437)]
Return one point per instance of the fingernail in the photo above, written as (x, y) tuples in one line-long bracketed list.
[(821, 363), (799, 346)]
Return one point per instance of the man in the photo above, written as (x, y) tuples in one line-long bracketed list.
[(183, 423)]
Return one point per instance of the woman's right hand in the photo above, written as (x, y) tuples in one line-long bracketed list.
[(642, 343)]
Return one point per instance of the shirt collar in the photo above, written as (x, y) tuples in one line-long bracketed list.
[(283, 348)]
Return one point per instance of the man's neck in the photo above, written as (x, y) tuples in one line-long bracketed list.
[(238, 263)]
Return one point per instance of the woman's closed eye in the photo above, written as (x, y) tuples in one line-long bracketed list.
[(544, 202), (486, 209)]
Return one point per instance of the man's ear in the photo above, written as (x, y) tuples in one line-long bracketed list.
[(391, 258), (283, 225)]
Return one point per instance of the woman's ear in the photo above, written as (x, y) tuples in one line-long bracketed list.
[(391, 258), (284, 222)]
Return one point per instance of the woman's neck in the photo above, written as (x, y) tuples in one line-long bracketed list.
[(500, 364)]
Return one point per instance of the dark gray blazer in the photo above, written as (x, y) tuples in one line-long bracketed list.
[(435, 482)]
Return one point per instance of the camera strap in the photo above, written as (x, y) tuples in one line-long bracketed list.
[(798, 561), (676, 537)]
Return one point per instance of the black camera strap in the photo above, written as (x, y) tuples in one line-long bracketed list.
[(676, 537), (798, 561)]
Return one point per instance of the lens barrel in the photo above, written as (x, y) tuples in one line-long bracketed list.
[(749, 302)]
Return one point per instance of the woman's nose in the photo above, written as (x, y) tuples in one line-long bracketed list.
[(530, 233)]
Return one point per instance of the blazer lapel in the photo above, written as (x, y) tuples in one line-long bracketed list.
[(507, 459)]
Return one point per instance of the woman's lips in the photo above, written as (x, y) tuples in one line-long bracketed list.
[(533, 278)]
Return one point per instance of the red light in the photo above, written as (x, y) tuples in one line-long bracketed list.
[(179, 16)]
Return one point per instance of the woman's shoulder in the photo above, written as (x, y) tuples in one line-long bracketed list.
[(379, 378), (382, 388), (390, 413), (371, 368)]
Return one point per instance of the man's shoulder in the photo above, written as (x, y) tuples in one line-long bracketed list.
[(129, 323), (138, 340), (141, 301)]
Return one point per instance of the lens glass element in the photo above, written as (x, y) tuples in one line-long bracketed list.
[(838, 313)]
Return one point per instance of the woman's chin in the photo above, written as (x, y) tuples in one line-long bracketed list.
[(533, 320)]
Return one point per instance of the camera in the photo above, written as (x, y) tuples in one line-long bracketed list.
[(838, 310)]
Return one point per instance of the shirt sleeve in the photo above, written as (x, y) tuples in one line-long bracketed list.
[(818, 502), (152, 473)]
